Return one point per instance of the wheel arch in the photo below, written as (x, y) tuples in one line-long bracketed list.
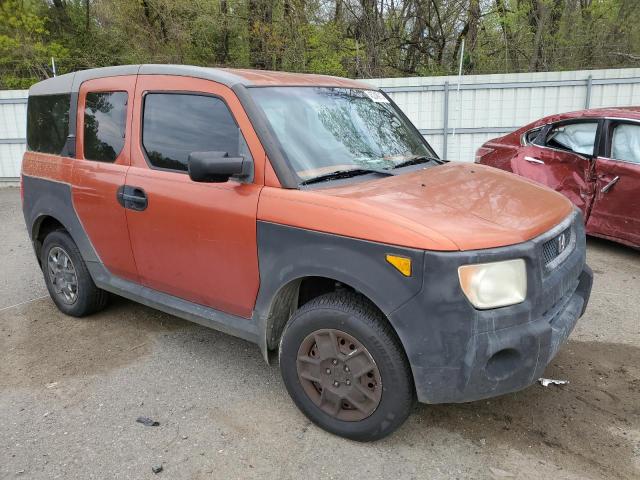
[(42, 226), (300, 290), (289, 256), (49, 203)]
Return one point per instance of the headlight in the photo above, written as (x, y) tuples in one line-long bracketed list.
[(493, 285)]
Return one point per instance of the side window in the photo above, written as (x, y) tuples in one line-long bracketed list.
[(105, 119), (531, 136), (47, 123), (625, 143), (176, 124), (573, 137)]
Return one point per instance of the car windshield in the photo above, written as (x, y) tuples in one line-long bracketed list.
[(323, 130)]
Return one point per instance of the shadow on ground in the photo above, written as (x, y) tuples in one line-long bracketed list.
[(41, 344), (613, 248)]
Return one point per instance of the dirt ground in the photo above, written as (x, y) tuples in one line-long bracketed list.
[(71, 390)]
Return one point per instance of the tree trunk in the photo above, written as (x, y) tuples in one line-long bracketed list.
[(473, 20), (87, 15), (61, 15), (149, 16), (222, 52), (260, 19), (510, 44), (370, 35), (337, 16), (538, 22)]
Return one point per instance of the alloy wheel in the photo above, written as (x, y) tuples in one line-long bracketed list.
[(62, 275)]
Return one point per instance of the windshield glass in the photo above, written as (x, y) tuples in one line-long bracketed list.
[(322, 129)]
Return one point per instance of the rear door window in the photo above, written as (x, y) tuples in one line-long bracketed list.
[(47, 123), (176, 124), (625, 143), (573, 137), (105, 119)]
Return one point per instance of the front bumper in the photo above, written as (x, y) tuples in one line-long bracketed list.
[(460, 354)]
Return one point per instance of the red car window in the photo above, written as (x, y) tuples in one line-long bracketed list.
[(576, 137), (625, 144), (532, 135)]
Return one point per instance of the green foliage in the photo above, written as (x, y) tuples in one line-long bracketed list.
[(26, 46), (328, 52), (357, 38)]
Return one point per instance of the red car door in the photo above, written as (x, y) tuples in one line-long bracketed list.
[(616, 209), (195, 241), (560, 158)]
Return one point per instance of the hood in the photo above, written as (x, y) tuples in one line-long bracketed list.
[(449, 207)]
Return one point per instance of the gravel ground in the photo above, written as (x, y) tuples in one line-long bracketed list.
[(71, 390)]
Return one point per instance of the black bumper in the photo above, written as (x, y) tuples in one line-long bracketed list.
[(460, 354)]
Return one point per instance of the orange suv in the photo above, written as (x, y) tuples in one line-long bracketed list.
[(306, 214)]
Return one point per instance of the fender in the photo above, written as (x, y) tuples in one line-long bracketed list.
[(287, 254), (50, 198)]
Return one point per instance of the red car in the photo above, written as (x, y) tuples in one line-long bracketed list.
[(591, 156)]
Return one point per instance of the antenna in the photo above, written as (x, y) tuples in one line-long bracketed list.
[(53, 66)]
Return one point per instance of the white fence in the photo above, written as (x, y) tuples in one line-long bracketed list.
[(13, 123), (455, 120)]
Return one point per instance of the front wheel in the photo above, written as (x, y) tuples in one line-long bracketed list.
[(345, 368)]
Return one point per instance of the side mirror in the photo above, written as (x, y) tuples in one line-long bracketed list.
[(216, 167)]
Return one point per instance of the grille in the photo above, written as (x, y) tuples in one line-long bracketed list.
[(551, 249)]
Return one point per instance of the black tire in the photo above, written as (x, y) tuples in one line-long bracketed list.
[(354, 315), (88, 298)]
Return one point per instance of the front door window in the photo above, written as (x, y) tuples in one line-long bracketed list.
[(176, 124), (578, 138)]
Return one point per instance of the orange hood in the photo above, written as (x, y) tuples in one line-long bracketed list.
[(449, 207)]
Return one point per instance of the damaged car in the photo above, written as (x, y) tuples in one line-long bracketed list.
[(590, 156)]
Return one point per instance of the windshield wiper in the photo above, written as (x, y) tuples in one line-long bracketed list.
[(419, 159), (338, 174)]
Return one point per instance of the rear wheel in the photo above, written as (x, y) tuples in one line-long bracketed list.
[(345, 369), (67, 278)]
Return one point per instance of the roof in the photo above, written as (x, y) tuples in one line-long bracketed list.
[(264, 78), (71, 82), (629, 113), (632, 113)]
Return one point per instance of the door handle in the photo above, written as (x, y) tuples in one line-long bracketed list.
[(608, 186), (133, 198), (534, 160)]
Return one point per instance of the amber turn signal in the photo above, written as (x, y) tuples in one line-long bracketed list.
[(402, 264)]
